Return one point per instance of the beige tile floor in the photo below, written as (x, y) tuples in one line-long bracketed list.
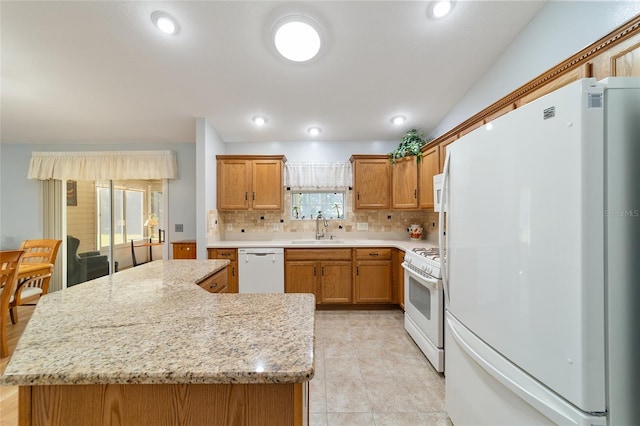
[(370, 372)]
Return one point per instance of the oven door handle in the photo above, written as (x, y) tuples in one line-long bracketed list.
[(427, 282)]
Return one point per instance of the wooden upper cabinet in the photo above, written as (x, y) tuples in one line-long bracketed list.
[(371, 182), (429, 167), (443, 150), (267, 184), (250, 182), (404, 183)]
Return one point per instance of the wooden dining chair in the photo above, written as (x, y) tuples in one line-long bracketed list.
[(34, 273), (9, 262)]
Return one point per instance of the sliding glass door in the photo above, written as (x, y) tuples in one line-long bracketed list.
[(112, 220)]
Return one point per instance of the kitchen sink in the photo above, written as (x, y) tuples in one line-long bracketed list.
[(319, 242)]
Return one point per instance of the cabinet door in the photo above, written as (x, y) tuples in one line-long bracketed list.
[(371, 183), (335, 281), (267, 183), (443, 151), (300, 276), (373, 281), (232, 277), (429, 167), (404, 183), (234, 184), (397, 277)]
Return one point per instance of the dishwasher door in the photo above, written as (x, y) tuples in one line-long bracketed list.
[(261, 270)]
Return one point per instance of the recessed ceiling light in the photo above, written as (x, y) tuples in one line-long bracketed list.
[(398, 120), (440, 8), (297, 38), (489, 126), (314, 131), (259, 120), (165, 22)]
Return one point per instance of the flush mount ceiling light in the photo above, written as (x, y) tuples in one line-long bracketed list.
[(297, 38), (259, 120), (165, 22), (314, 131), (398, 120), (440, 8)]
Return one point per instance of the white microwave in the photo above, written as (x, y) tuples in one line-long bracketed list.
[(437, 192)]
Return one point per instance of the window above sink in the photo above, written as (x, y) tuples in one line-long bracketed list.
[(305, 205)]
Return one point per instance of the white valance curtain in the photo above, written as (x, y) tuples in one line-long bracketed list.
[(325, 176), (108, 165)]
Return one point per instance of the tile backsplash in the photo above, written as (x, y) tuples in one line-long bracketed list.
[(279, 225)]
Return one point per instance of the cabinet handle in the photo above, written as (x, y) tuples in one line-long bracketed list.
[(374, 254), (225, 254), (323, 271), (358, 194), (246, 196), (357, 270), (415, 193), (254, 196), (212, 286), (233, 271), (314, 271)]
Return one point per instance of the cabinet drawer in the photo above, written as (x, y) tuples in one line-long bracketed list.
[(217, 283), (317, 254), (223, 253), (184, 250), (373, 253)]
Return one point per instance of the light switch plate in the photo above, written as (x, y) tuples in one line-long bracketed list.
[(179, 227), (229, 227), (362, 226)]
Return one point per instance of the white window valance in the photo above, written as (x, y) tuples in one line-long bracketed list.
[(318, 175), (108, 165)]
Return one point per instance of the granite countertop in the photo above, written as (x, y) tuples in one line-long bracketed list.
[(152, 324)]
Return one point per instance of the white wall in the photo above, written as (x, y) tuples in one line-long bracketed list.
[(559, 30), (316, 151), (208, 145), (20, 198)]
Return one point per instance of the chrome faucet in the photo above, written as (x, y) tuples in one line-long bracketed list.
[(320, 234)]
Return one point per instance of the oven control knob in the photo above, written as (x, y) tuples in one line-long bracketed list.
[(429, 269)]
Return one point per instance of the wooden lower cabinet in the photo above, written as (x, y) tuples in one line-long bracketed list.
[(184, 249), (217, 283), (230, 254), (335, 281), (324, 272), (373, 276), (164, 404), (397, 276)]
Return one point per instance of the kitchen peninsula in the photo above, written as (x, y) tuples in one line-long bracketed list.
[(149, 346)]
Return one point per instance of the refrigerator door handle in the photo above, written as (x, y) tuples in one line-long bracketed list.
[(519, 382), (441, 236)]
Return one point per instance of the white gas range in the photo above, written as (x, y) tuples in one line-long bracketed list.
[(424, 303)]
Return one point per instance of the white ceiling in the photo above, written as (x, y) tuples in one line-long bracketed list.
[(100, 72)]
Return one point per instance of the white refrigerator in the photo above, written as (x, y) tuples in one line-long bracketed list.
[(542, 272)]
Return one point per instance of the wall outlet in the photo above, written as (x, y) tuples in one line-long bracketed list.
[(362, 226), (229, 227), (275, 227), (179, 227)]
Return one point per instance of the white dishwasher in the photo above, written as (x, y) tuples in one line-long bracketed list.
[(261, 270)]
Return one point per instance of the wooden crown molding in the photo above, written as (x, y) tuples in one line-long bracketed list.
[(624, 32)]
